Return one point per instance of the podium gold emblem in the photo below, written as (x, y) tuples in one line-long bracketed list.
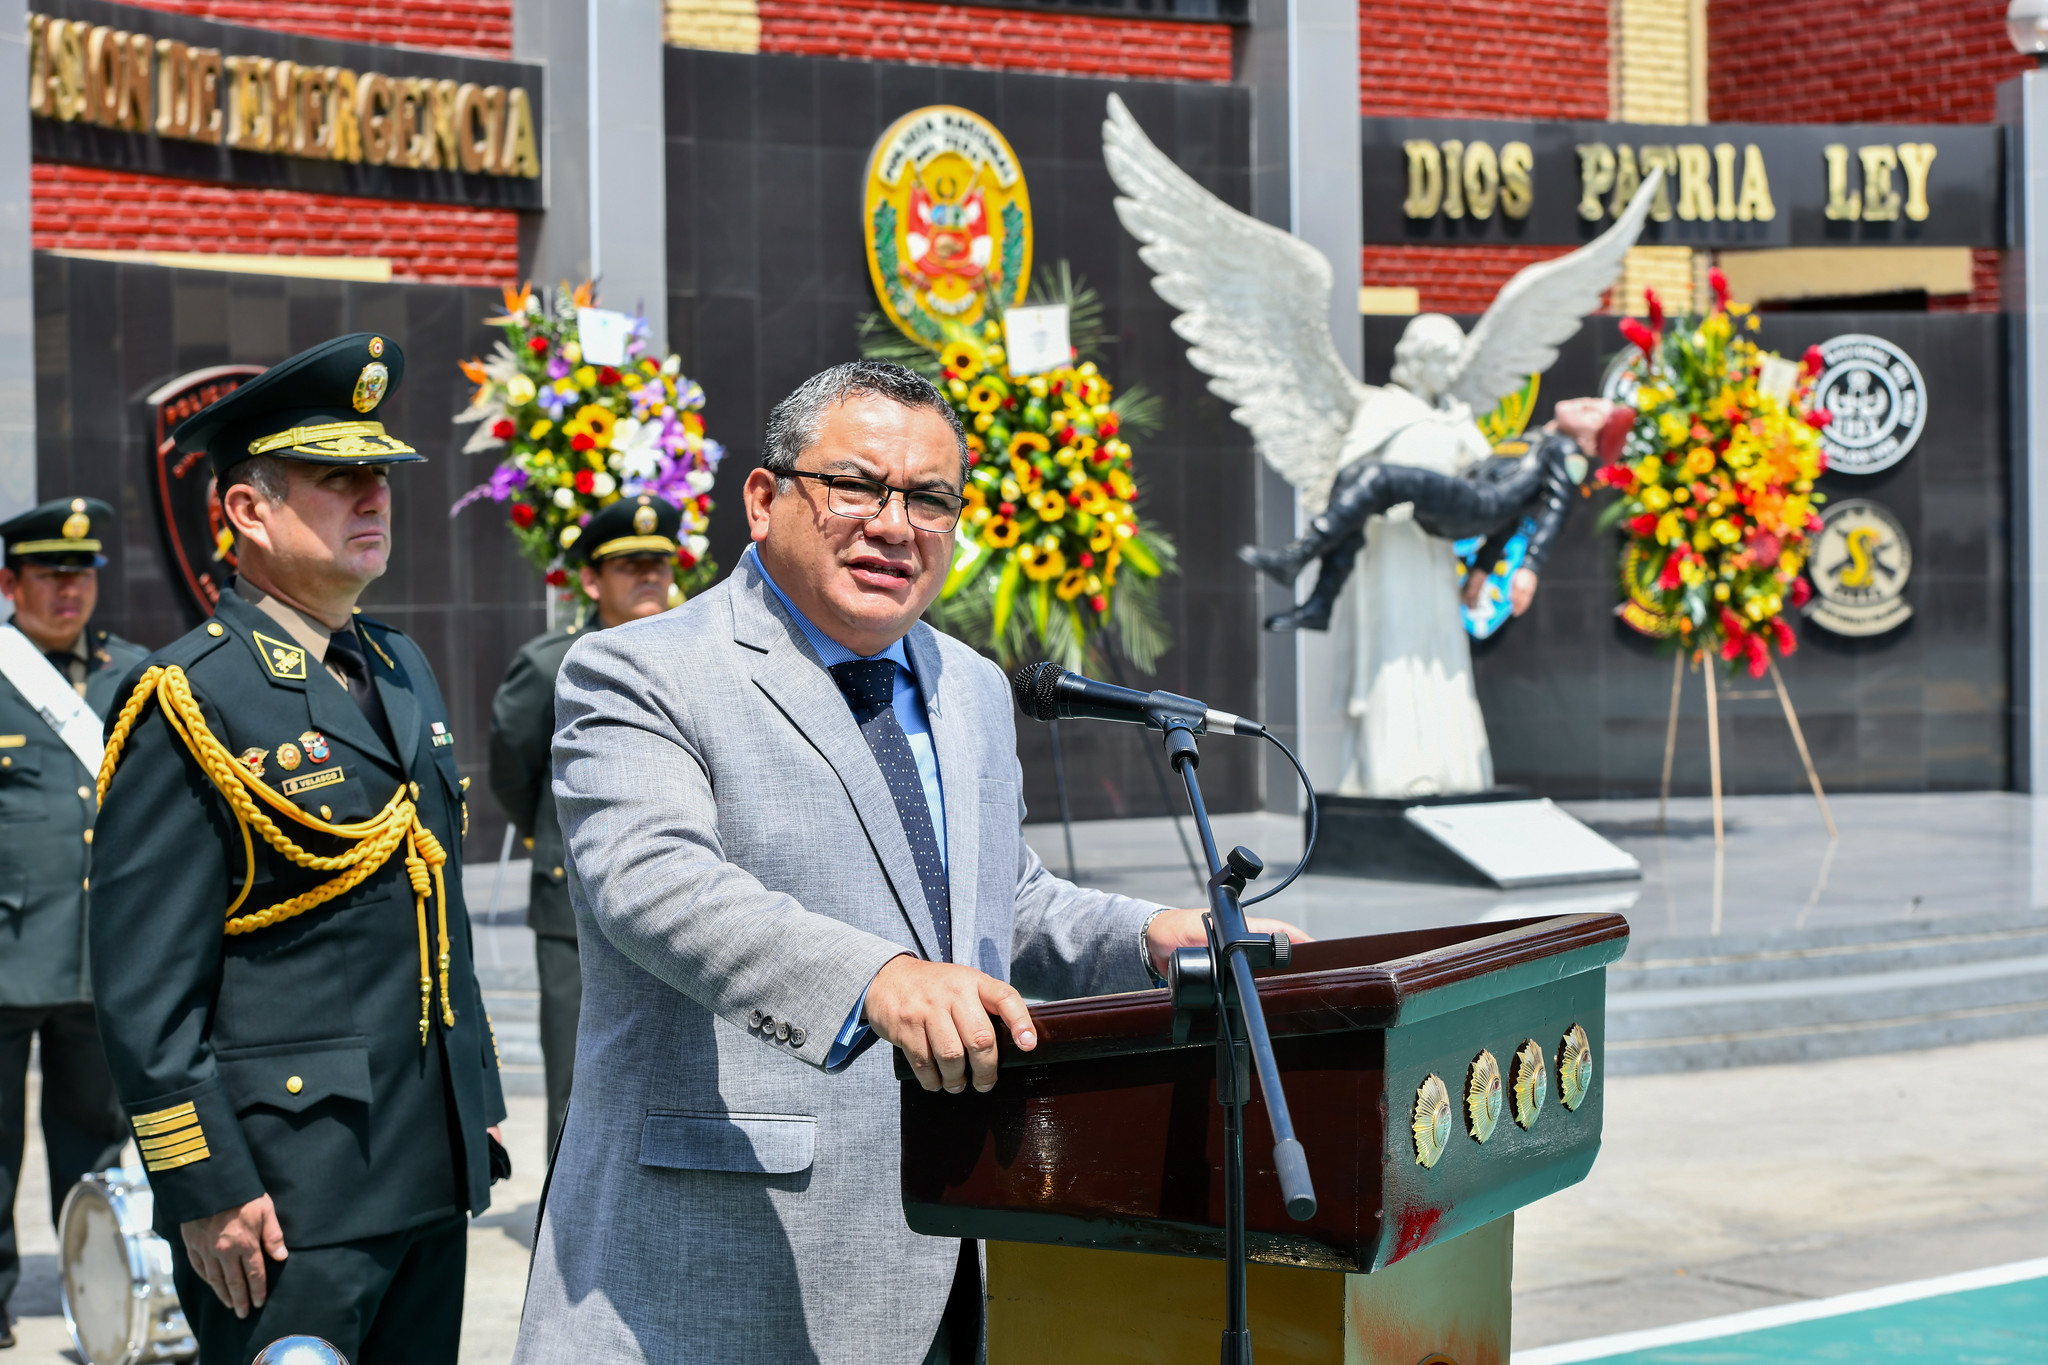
[(1574, 1067), (1532, 1082), (1432, 1120), (1482, 1096)]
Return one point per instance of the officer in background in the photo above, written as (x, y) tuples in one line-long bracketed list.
[(279, 943), (57, 679), (629, 571)]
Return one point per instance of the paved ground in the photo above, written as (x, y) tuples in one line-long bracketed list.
[(1715, 1192)]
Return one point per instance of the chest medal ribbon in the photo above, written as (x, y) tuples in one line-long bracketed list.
[(371, 842)]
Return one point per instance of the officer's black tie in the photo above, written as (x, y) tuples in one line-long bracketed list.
[(869, 685), (345, 652)]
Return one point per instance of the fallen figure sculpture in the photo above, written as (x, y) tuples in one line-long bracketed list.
[(1537, 478)]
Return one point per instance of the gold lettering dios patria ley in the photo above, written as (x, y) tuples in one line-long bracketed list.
[(91, 73)]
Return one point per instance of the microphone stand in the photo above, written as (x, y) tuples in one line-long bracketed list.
[(1219, 977)]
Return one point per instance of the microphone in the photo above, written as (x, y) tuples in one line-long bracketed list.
[(1045, 691)]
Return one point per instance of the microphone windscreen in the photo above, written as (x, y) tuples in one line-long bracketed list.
[(1036, 687)]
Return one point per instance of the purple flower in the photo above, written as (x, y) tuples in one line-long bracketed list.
[(558, 368), (505, 480)]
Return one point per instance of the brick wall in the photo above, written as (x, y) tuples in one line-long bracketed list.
[(1483, 58), (1542, 59), (1842, 61), (1876, 61), (85, 209), (479, 26), (1027, 40)]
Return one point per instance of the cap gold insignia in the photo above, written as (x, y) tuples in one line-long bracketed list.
[(316, 746), (1482, 1096), (252, 759), (1532, 1082), (370, 387), (282, 659), (376, 347), (288, 756), (1432, 1121), (644, 521), (1574, 1067), (76, 526)]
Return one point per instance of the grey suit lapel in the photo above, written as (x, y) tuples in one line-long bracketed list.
[(953, 738), (791, 676)]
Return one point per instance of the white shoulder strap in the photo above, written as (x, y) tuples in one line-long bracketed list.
[(52, 697)]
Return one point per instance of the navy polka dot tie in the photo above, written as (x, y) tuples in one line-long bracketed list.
[(870, 686)]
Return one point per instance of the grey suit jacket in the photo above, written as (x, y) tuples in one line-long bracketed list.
[(734, 849)]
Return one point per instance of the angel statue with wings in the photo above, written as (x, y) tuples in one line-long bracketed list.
[(1406, 460)]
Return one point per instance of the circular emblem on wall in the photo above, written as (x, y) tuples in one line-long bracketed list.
[(1574, 1067), (1861, 560), (946, 219), (1532, 1082), (1432, 1120), (194, 526), (1876, 398), (1482, 1096)]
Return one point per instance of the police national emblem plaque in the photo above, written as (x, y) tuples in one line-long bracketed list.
[(1861, 561), (1876, 401), (947, 221), (187, 507)]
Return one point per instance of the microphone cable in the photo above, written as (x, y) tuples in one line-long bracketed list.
[(1313, 821)]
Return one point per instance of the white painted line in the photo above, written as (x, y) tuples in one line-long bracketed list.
[(1596, 1348)]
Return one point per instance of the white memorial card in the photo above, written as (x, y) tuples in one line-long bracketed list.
[(603, 334), (1035, 339), (1776, 376)]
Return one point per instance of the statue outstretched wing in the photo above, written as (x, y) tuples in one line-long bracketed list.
[(1254, 306), (1543, 307)]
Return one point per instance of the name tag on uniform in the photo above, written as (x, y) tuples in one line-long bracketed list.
[(327, 777)]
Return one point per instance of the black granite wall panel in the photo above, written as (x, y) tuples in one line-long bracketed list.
[(767, 279), (108, 334), (1576, 703)]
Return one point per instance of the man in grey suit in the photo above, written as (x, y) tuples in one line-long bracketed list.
[(792, 814)]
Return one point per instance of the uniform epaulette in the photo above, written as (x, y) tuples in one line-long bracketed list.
[(192, 646)]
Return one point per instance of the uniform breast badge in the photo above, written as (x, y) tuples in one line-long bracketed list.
[(442, 735), (315, 745), (252, 759), (288, 756)]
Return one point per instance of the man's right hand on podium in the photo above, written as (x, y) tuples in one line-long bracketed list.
[(938, 1013)]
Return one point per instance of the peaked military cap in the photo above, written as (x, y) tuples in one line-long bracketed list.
[(64, 533), (319, 407), (638, 525)]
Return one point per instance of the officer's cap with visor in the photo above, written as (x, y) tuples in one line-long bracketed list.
[(64, 533), (319, 407), (638, 525)]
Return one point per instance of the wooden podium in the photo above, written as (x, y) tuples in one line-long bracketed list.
[(1438, 1079)]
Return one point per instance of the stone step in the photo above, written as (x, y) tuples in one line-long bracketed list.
[(1826, 1014), (1672, 965)]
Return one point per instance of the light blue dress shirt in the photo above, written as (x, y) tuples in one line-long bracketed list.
[(908, 703)]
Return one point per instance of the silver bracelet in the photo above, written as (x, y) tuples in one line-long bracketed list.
[(1144, 953)]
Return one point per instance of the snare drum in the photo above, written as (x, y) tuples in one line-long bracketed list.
[(118, 1298)]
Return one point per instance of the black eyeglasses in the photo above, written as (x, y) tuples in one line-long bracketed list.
[(862, 499)]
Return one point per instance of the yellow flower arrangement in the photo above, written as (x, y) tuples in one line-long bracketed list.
[(1717, 484)]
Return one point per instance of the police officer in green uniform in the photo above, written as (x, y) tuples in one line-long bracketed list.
[(279, 944), (57, 678), (627, 559)]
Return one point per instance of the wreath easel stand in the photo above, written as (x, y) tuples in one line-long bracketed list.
[(1678, 663)]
